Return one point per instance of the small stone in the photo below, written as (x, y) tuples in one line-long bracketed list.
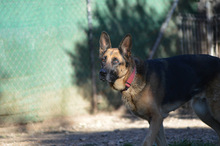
[(121, 141), (82, 139), (104, 135), (111, 143), (116, 130)]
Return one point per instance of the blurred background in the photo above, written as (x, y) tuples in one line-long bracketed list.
[(49, 49)]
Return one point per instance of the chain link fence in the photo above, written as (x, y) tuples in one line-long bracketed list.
[(36, 75), (44, 54)]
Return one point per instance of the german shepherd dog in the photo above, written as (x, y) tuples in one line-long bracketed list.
[(152, 88)]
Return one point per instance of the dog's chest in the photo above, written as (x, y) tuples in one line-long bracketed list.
[(129, 102), (137, 105)]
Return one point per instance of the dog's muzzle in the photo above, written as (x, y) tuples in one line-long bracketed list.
[(107, 75), (102, 74)]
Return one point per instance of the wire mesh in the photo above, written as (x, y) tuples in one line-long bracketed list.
[(36, 72)]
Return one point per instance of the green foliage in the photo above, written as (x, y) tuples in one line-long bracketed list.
[(127, 144)]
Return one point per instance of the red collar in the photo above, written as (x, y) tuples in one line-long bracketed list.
[(130, 79)]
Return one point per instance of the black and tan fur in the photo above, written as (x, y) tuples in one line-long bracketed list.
[(162, 85)]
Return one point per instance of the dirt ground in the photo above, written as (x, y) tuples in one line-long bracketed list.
[(116, 128)]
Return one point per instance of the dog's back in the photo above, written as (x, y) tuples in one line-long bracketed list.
[(183, 76)]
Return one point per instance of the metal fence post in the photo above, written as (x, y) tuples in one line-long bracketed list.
[(209, 15), (91, 49)]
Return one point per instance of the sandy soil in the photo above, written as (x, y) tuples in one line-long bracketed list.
[(115, 128)]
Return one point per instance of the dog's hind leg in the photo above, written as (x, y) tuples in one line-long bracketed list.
[(213, 98), (202, 110), (160, 139)]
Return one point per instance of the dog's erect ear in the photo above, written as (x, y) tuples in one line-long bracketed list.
[(104, 42), (125, 45)]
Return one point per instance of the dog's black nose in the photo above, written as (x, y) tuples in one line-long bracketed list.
[(102, 74)]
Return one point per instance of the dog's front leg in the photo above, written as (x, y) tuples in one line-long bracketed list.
[(155, 125), (160, 139)]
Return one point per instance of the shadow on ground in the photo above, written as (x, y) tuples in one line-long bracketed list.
[(121, 137), (105, 129), (116, 129)]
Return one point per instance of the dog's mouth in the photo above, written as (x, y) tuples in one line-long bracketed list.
[(109, 76)]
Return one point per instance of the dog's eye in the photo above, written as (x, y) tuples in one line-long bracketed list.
[(104, 59), (115, 61)]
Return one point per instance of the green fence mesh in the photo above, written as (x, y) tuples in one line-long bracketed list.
[(35, 68)]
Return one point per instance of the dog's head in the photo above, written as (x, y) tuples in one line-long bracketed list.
[(115, 62)]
